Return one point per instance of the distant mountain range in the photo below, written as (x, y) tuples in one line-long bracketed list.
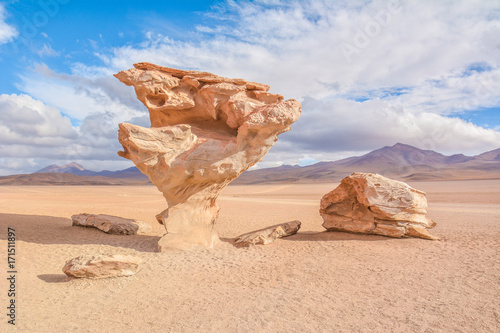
[(58, 178), (75, 174), (400, 161), (78, 170)]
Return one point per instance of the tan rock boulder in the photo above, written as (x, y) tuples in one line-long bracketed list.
[(373, 204), (111, 224), (205, 131), (102, 266), (268, 235)]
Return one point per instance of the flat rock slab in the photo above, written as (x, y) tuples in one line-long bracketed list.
[(268, 235), (111, 224), (372, 204), (102, 266)]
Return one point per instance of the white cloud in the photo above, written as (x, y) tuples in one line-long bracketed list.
[(31, 130), (79, 96), (454, 93), (297, 46), (336, 126), (414, 64), (47, 51), (7, 32), (26, 121)]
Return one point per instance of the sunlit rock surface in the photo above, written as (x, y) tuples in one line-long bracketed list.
[(372, 204), (111, 224), (205, 131), (102, 266), (268, 235)]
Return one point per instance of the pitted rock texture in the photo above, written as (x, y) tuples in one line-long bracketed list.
[(268, 235), (102, 266), (205, 131), (111, 224), (372, 204)]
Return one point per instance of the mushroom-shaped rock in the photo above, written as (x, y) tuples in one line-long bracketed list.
[(205, 131), (268, 235), (111, 224), (373, 204), (102, 266)]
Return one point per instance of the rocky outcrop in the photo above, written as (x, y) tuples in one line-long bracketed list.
[(102, 266), (268, 235), (372, 204), (111, 224), (205, 131)]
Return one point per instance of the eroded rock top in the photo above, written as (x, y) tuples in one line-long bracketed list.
[(204, 128), (203, 99)]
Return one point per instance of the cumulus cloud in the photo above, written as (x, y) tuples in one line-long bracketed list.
[(39, 134), (26, 121), (335, 126), (369, 73), (415, 63), (7, 32), (79, 96), (299, 46), (465, 90)]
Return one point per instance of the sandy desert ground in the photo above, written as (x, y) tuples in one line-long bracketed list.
[(314, 281)]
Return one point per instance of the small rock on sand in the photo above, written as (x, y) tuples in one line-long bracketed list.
[(102, 266), (268, 235), (112, 224)]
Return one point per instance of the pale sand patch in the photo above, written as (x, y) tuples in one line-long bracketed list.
[(310, 282)]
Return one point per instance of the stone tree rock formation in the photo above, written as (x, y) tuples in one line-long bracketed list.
[(205, 131), (372, 204)]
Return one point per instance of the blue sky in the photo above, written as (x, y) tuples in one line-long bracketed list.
[(487, 118), (74, 29), (368, 73)]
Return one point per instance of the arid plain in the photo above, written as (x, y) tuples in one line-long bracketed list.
[(314, 281)]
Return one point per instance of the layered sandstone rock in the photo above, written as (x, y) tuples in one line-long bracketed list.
[(102, 266), (373, 204), (111, 224), (268, 235), (205, 131)]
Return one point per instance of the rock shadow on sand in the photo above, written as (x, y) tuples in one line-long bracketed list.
[(332, 236), (42, 229), (54, 278)]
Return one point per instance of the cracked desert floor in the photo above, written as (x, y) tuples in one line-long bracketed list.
[(314, 281)]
